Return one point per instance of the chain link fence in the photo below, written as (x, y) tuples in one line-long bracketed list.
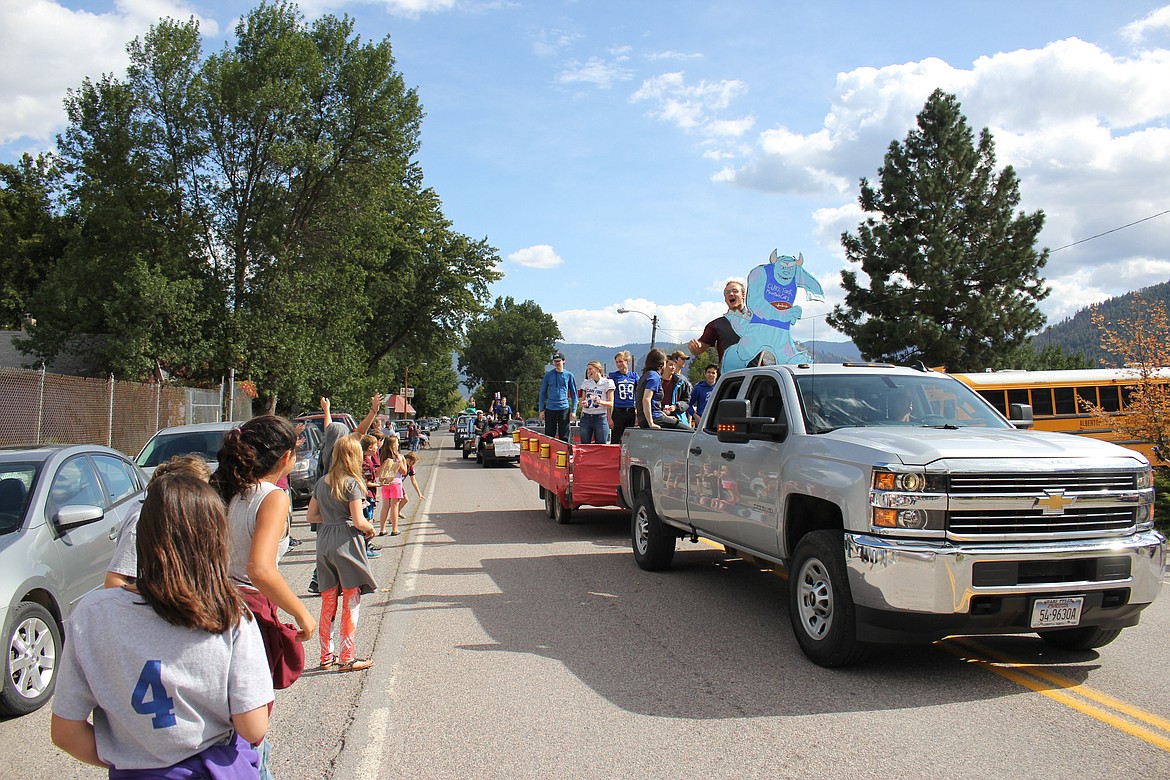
[(43, 408)]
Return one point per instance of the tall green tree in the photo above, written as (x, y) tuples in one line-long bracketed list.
[(258, 209), (511, 342), (33, 232), (952, 275)]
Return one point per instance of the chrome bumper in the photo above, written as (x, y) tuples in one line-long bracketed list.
[(937, 577)]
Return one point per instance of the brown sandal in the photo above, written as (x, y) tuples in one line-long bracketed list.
[(356, 665), (328, 663)]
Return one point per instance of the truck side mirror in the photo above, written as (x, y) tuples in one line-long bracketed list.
[(731, 421), (1020, 416)]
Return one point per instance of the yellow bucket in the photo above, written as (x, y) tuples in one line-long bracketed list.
[(544, 448), (562, 459), (516, 436)]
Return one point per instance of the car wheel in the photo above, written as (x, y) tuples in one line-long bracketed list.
[(34, 645), (653, 540), (562, 512), (550, 504), (820, 603), (1080, 638)]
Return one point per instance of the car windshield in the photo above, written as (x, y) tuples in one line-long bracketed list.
[(16, 481), (882, 400), (165, 446)]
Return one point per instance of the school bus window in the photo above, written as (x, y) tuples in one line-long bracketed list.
[(995, 398), (1127, 392), (1110, 398), (1066, 400), (1017, 397), (1086, 394), (1042, 402)]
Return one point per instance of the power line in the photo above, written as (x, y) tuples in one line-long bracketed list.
[(1114, 230)]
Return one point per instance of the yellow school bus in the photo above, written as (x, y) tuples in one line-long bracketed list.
[(1055, 398)]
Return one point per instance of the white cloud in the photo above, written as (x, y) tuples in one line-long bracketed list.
[(676, 323), (601, 73), (550, 43), (672, 55), (540, 256), (1156, 21), (67, 46), (694, 106)]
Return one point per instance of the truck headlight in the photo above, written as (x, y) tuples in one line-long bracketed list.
[(902, 501), (1145, 479)]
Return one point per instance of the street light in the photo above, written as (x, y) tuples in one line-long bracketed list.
[(653, 322)]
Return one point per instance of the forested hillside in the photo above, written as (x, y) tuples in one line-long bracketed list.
[(1078, 334)]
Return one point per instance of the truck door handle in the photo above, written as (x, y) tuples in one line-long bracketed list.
[(696, 450), (727, 455)]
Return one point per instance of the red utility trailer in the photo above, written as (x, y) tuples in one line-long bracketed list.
[(570, 475)]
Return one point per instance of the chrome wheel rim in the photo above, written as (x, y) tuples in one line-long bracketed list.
[(642, 530), (32, 658), (815, 599)]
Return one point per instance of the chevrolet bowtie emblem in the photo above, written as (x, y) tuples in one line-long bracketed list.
[(1054, 502)]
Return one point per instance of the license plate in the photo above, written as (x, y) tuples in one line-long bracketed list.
[(507, 447), (1048, 613)]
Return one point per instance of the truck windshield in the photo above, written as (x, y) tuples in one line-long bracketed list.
[(832, 401)]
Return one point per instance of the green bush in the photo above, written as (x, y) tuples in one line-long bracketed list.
[(1162, 500)]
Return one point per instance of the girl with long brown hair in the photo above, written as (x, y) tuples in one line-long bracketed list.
[(185, 639)]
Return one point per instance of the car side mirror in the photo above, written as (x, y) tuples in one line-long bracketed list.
[(77, 515), (1020, 416)]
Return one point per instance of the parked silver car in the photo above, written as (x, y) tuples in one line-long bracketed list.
[(61, 509), (202, 439)]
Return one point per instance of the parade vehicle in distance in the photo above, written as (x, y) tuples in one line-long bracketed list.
[(904, 507), (498, 444)]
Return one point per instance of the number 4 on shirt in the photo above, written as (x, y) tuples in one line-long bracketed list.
[(161, 706)]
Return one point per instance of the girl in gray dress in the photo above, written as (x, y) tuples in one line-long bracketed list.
[(342, 531)]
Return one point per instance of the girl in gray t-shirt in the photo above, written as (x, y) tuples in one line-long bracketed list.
[(176, 674)]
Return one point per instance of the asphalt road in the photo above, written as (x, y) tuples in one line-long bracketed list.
[(507, 646)]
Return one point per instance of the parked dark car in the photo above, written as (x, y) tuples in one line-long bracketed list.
[(317, 420), (61, 510), (496, 444)]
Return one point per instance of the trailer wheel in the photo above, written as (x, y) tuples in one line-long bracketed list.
[(540, 492), (653, 540), (1080, 638), (563, 508), (550, 502), (465, 453), (820, 603)]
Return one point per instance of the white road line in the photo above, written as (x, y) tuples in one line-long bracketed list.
[(380, 720)]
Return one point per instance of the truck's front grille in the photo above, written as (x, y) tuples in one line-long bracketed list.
[(1004, 506), (1023, 482), (1074, 522)]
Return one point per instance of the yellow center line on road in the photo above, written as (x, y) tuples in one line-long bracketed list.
[(1065, 691)]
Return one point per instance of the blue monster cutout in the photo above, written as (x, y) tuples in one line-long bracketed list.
[(771, 292)]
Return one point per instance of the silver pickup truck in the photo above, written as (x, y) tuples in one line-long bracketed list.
[(904, 507)]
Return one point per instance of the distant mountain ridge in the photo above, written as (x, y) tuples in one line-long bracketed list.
[(1078, 333)]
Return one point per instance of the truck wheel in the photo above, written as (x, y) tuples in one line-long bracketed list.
[(30, 672), (820, 604), (654, 541), (1080, 638), (550, 504)]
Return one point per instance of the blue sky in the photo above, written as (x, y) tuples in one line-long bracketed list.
[(639, 154)]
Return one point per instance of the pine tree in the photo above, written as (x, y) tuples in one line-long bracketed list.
[(953, 276)]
